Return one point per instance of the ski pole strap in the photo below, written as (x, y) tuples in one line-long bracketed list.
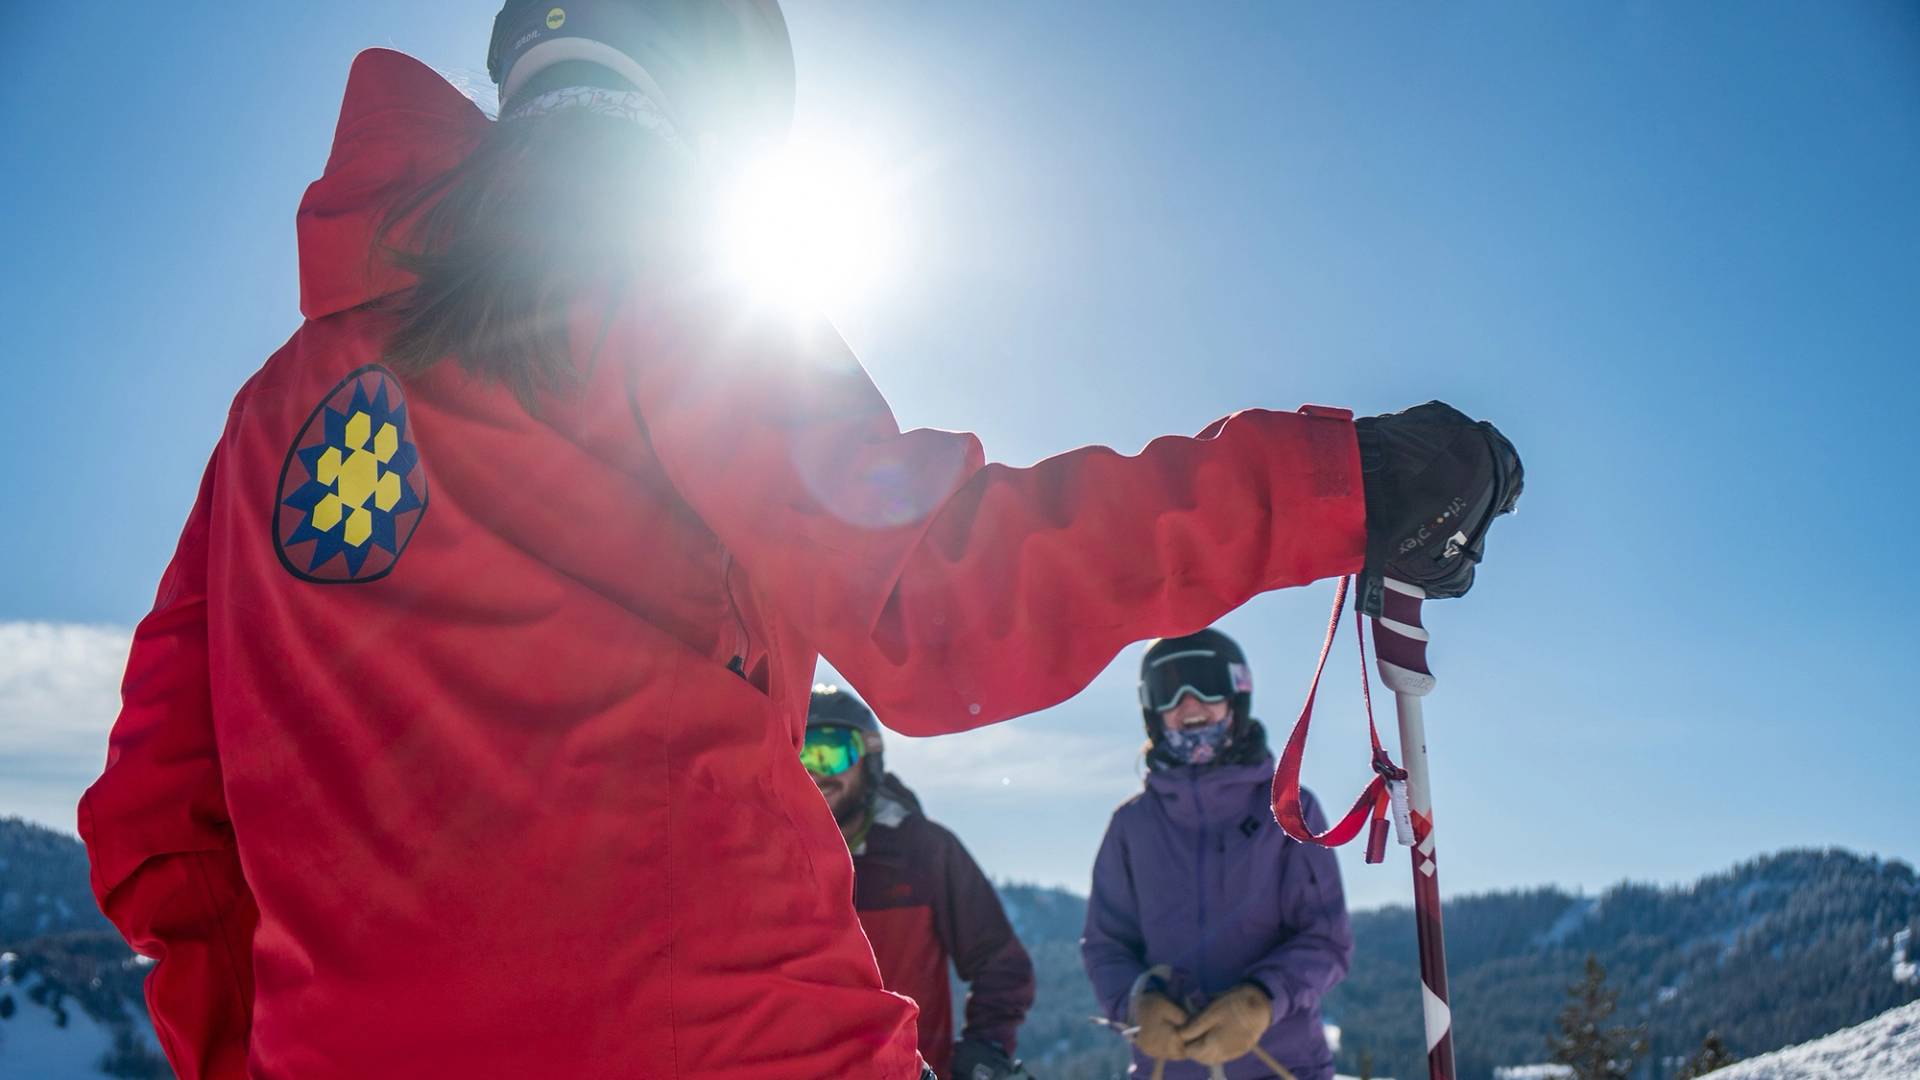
[(1387, 788)]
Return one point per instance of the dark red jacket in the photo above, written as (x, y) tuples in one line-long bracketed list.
[(433, 760), (924, 902)]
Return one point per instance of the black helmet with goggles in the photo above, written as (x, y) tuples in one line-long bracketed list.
[(841, 733), (1210, 667)]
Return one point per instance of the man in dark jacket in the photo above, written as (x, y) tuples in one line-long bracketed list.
[(1208, 929), (921, 898)]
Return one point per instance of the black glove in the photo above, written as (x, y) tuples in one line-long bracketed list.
[(978, 1059), (1435, 481)]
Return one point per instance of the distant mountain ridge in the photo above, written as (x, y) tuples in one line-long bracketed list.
[(1778, 950), (43, 883), (71, 1001)]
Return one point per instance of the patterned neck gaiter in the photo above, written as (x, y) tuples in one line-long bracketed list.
[(1198, 745)]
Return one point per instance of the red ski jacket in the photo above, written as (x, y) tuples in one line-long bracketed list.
[(463, 739), (923, 902)]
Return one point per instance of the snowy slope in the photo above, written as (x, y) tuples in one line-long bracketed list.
[(33, 1044), (1886, 1047), (48, 1034)]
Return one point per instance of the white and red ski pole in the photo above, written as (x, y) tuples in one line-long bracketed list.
[(1400, 646), (1400, 642)]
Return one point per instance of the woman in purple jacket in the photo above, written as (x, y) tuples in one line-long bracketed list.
[(1207, 927)]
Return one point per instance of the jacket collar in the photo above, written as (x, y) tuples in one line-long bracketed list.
[(1213, 795), (893, 804)]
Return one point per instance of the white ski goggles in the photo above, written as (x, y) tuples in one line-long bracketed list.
[(1200, 672)]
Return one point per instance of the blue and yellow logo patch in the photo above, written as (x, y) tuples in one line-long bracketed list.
[(352, 489)]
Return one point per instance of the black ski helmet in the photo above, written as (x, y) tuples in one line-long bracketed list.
[(1211, 666), (834, 707), (719, 67)]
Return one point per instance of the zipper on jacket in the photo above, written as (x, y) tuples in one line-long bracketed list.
[(744, 643), (1200, 877)]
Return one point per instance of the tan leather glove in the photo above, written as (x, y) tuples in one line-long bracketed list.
[(1159, 1019), (1230, 1027)]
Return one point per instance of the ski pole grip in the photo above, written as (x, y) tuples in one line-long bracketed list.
[(1400, 641)]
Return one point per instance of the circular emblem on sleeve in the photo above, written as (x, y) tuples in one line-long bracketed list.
[(352, 489)]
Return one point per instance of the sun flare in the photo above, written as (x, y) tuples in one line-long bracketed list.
[(808, 227)]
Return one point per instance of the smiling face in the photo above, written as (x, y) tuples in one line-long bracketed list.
[(1191, 712), (1196, 732)]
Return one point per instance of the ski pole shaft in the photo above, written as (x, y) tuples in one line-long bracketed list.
[(1281, 1072), (1400, 645)]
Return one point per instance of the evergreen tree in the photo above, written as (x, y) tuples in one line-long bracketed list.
[(1711, 1055), (1589, 1046), (130, 1059)]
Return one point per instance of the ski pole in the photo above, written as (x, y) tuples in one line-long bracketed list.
[(1400, 647), (1218, 1072), (1281, 1072)]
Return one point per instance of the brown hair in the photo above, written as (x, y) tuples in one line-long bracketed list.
[(545, 208)]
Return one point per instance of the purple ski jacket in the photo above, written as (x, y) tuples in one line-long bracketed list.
[(1194, 874)]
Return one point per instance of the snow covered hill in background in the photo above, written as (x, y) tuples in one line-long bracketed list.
[(1781, 949), (71, 1006), (1886, 1047), (71, 1009), (47, 1035), (1777, 950)]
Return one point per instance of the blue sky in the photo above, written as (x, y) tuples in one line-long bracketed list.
[(1669, 248)]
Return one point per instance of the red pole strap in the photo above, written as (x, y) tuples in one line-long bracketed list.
[(1401, 642), (1373, 799)]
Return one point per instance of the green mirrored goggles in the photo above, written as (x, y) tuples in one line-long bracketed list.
[(830, 751)]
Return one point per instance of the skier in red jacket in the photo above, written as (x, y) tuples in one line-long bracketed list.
[(922, 899), (462, 738)]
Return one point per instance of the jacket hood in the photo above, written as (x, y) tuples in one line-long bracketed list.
[(401, 127), (891, 789)]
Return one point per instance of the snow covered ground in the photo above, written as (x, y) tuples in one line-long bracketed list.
[(33, 1044), (1886, 1047)]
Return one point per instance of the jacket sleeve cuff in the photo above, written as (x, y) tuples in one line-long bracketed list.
[(1275, 987), (1151, 981)]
